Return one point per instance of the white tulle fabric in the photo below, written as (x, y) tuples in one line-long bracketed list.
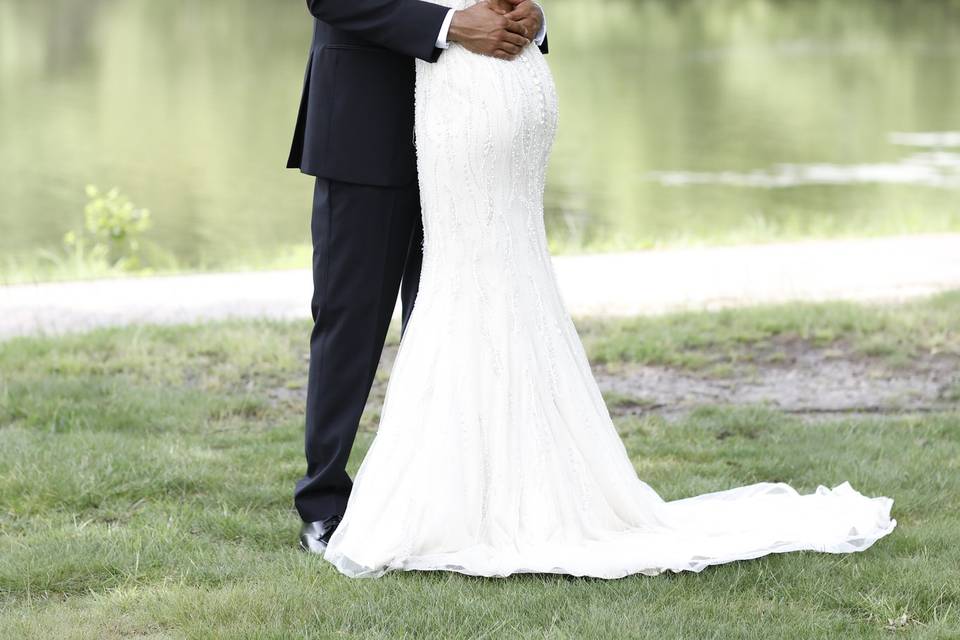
[(495, 453)]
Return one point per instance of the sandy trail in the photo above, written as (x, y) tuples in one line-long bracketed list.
[(658, 281)]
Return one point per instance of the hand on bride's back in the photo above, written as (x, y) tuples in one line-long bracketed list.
[(483, 29)]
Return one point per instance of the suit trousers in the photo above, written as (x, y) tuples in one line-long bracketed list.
[(367, 248)]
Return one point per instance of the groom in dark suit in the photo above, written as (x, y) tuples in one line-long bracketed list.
[(354, 133)]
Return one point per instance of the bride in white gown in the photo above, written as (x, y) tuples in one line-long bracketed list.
[(495, 452)]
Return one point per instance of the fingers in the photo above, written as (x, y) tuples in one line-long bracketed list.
[(500, 9), (521, 12), (503, 55), (529, 21), (512, 38), (529, 29), (515, 27), (519, 41), (511, 48)]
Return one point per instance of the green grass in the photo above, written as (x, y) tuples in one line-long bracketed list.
[(53, 265), (146, 477), (893, 334)]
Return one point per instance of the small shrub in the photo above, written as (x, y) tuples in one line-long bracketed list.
[(112, 229)]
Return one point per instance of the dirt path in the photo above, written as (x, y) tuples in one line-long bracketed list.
[(893, 268), (810, 382)]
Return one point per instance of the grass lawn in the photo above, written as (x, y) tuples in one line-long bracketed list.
[(146, 477)]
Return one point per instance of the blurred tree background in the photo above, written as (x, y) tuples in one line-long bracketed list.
[(682, 121)]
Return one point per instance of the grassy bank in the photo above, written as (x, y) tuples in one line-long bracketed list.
[(895, 333), (146, 472), (30, 267)]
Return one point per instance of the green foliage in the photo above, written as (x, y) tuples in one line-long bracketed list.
[(112, 229)]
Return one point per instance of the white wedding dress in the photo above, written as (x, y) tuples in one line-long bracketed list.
[(495, 452)]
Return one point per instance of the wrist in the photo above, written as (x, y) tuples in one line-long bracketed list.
[(453, 35)]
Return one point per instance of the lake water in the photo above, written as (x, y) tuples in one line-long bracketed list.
[(681, 121)]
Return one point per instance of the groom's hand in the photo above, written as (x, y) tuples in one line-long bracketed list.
[(524, 12), (483, 30)]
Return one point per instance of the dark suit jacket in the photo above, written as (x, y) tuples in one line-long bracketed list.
[(355, 122)]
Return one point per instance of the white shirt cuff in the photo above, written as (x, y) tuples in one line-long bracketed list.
[(444, 30), (542, 34)]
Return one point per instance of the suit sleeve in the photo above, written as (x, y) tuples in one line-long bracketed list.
[(409, 27)]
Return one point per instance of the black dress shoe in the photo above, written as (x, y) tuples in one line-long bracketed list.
[(315, 536)]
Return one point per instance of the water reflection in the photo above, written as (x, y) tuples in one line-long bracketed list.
[(69, 37), (939, 169), (188, 107), (929, 139)]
